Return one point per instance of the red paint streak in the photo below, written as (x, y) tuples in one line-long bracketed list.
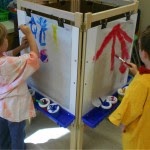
[(113, 53)]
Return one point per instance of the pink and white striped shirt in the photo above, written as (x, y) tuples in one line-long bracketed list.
[(15, 100)]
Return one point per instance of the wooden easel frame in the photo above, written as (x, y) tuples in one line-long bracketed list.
[(83, 24)]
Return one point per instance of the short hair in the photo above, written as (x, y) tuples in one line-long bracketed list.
[(3, 33), (145, 40)]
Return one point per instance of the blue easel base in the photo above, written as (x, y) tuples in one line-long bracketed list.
[(62, 118), (98, 114)]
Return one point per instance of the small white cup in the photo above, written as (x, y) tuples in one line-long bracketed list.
[(53, 108), (42, 101), (112, 99)]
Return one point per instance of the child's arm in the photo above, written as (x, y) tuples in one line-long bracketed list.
[(24, 44), (30, 38)]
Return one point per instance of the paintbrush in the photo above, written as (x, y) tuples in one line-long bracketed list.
[(123, 60), (25, 24), (38, 101)]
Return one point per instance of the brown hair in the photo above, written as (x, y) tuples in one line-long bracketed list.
[(3, 33), (145, 40)]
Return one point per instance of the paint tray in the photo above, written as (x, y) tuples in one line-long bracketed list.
[(96, 115), (62, 118)]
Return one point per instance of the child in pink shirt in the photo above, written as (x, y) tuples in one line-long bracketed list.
[(16, 103)]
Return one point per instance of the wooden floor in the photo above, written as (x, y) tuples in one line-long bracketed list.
[(43, 134)]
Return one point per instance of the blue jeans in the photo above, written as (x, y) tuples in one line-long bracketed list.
[(12, 135)]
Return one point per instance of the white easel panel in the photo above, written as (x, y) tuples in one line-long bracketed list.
[(104, 73), (58, 47)]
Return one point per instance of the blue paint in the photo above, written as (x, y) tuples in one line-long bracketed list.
[(33, 26), (43, 55), (42, 36)]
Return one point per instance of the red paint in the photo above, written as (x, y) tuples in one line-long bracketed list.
[(122, 36)]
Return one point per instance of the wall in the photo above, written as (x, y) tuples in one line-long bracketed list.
[(144, 6)]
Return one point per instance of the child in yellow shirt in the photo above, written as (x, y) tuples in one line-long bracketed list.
[(132, 115)]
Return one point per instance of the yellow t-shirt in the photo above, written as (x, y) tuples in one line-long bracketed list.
[(134, 113)]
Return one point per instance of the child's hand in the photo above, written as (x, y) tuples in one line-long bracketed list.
[(31, 40), (133, 69), (123, 128), (25, 30), (24, 42)]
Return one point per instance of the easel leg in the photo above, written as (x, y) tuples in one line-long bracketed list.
[(75, 6), (80, 136), (73, 137), (76, 137)]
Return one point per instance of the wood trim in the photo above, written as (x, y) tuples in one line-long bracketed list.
[(46, 10), (114, 12)]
